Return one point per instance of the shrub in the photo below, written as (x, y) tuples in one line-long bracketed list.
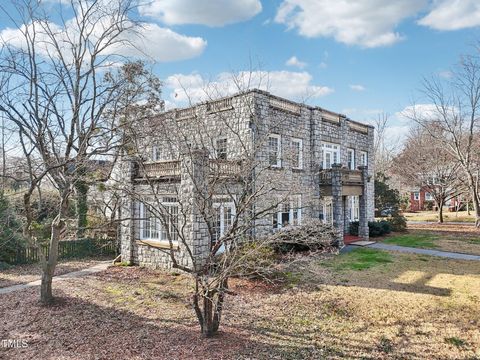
[(397, 222), (313, 235), (375, 228), (10, 231)]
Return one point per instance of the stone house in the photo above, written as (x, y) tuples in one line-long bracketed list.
[(316, 163)]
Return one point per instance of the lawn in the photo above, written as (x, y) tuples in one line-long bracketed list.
[(447, 237), (365, 304), (432, 216)]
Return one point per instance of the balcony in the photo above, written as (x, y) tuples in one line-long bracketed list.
[(172, 169), (349, 177), (155, 170)]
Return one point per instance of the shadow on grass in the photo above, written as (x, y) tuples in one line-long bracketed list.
[(380, 269)]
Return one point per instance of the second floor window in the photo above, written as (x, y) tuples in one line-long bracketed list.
[(331, 154), (221, 148), (297, 154), (364, 158), (351, 159), (274, 153)]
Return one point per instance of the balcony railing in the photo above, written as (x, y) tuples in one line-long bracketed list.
[(226, 167), (172, 169), (349, 177), (162, 169)]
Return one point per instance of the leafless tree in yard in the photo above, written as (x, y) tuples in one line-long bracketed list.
[(455, 116), (189, 185), (56, 88), (427, 164)]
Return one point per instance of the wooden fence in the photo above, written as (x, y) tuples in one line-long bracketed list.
[(66, 250)]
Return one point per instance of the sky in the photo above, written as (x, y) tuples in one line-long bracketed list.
[(356, 57)]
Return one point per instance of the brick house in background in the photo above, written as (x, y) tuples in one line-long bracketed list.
[(421, 199), (323, 158)]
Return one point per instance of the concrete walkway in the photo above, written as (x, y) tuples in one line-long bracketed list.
[(91, 270), (445, 254)]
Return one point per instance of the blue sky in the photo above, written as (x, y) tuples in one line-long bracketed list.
[(358, 57)]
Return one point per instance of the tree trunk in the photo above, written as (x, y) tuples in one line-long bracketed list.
[(46, 295), (82, 207), (440, 212), (209, 316), (475, 199)]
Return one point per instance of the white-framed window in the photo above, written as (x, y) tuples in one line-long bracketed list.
[(327, 210), (289, 213), (156, 153), (364, 158), (331, 154), (152, 227), (274, 150), (351, 159), (297, 153), (428, 196), (354, 208), (416, 195), (221, 148), (224, 216)]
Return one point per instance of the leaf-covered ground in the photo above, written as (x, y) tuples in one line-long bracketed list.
[(22, 274), (400, 306)]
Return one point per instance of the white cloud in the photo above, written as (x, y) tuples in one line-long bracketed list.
[(191, 88), (162, 44), (151, 41), (210, 12), (417, 111), (445, 74), (357, 87), (453, 15), (368, 23), (323, 65), (293, 61)]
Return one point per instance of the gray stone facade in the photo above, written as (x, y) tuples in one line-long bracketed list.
[(247, 123)]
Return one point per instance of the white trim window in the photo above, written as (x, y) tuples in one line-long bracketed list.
[(428, 196), (224, 217), (221, 147), (153, 228), (289, 213), (331, 154), (274, 150), (297, 153), (354, 208), (351, 158), (327, 210), (416, 196), (156, 153), (364, 158)]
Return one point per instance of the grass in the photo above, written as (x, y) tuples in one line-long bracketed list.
[(361, 259), (414, 240), (432, 216), (455, 341)]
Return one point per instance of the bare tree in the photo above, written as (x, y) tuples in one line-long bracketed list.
[(455, 103), (55, 92), (425, 163)]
